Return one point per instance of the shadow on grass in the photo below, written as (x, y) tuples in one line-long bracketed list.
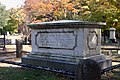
[(14, 73), (18, 73), (113, 75)]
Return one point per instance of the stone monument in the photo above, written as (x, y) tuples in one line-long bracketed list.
[(63, 44), (112, 37)]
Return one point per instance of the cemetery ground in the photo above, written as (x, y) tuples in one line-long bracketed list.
[(13, 72)]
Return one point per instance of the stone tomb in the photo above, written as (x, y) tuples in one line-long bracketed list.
[(63, 44)]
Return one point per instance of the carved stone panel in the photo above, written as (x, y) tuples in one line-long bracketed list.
[(92, 40), (56, 40)]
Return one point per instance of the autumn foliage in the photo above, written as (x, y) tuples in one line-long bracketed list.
[(47, 10), (90, 10)]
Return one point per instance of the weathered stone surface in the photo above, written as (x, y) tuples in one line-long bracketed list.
[(65, 41), (80, 42), (66, 23), (88, 70), (56, 64), (56, 40)]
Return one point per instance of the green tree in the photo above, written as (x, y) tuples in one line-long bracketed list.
[(16, 19), (3, 16), (102, 11), (12, 25)]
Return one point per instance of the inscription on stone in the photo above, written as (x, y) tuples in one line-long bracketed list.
[(56, 40)]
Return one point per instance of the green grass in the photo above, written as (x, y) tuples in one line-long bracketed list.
[(28, 74), (113, 75), (11, 73)]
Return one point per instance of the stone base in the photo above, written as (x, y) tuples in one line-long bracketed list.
[(59, 65), (113, 40), (105, 63), (66, 58), (63, 64)]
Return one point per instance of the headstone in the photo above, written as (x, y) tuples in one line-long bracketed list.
[(19, 48), (63, 44), (118, 51), (112, 35), (8, 34), (13, 41)]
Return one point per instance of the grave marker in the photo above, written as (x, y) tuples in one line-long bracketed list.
[(64, 44)]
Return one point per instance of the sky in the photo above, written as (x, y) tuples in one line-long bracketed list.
[(12, 3)]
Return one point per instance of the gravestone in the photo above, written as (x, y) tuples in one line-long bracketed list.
[(19, 48), (112, 37), (2, 43), (65, 43)]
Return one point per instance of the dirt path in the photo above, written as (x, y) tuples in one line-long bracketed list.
[(10, 54), (10, 57)]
